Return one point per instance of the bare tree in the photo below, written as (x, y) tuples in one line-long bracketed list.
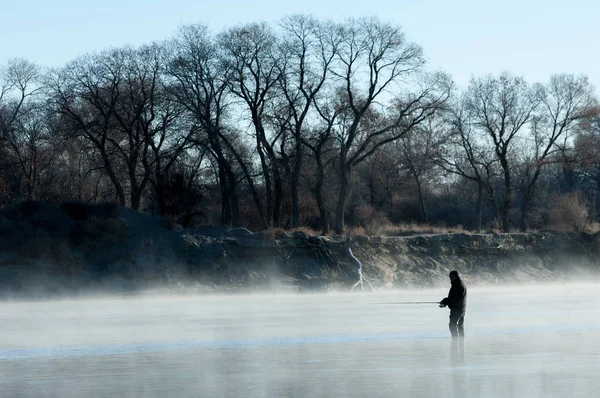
[(116, 100), (466, 155), (200, 85), (319, 141), (251, 51), (142, 115), (19, 82), (85, 93), (35, 146), (310, 47), (500, 108), (564, 101), (418, 150), (584, 159), (373, 58)]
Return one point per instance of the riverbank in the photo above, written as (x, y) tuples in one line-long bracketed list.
[(77, 248)]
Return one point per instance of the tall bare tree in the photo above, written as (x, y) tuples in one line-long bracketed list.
[(373, 59), (117, 101), (201, 86), (310, 47), (466, 155), (19, 83), (85, 93), (500, 108), (252, 53), (418, 150), (564, 101), (142, 115), (34, 146), (581, 164), (319, 141)]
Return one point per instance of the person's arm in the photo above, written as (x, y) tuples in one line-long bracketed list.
[(446, 300)]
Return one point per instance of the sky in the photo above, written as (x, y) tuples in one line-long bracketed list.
[(531, 38)]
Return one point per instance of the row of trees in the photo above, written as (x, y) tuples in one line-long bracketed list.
[(302, 123)]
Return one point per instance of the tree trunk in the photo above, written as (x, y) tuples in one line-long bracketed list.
[(294, 183), (371, 190), (230, 213), (137, 190), (253, 191), (274, 198), (236, 220), (278, 198), (267, 178), (225, 201), (319, 197), (507, 206), (569, 177), (295, 202), (273, 201), (478, 222), (136, 198), (340, 209), (113, 178), (506, 211), (527, 198), (493, 201), (595, 209), (424, 217)]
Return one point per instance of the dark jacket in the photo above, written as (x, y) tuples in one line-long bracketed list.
[(457, 297)]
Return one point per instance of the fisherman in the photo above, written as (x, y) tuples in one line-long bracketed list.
[(457, 302)]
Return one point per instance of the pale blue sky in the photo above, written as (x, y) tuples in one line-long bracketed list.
[(533, 38)]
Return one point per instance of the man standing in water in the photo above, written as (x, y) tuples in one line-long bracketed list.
[(457, 302)]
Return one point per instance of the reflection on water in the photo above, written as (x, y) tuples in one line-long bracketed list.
[(457, 351)]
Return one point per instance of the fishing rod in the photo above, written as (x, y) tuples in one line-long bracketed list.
[(413, 302)]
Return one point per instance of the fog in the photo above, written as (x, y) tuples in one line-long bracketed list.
[(520, 341)]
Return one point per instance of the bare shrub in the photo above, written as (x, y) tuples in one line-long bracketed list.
[(364, 213), (569, 213), (357, 231), (496, 226), (416, 229), (374, 222), (593, 228), (388, 229)]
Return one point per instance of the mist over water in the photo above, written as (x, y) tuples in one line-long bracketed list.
[(520, 341)]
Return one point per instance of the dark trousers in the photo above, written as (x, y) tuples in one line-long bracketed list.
[(457, 324)]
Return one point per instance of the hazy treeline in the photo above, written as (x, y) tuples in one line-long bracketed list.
[(307, 122)]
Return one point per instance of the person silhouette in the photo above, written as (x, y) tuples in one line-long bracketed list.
[(457, 303)]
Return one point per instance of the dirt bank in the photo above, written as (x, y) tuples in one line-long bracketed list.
[(47, 249)]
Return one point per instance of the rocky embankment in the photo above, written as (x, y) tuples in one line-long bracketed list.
[(74, 247)]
